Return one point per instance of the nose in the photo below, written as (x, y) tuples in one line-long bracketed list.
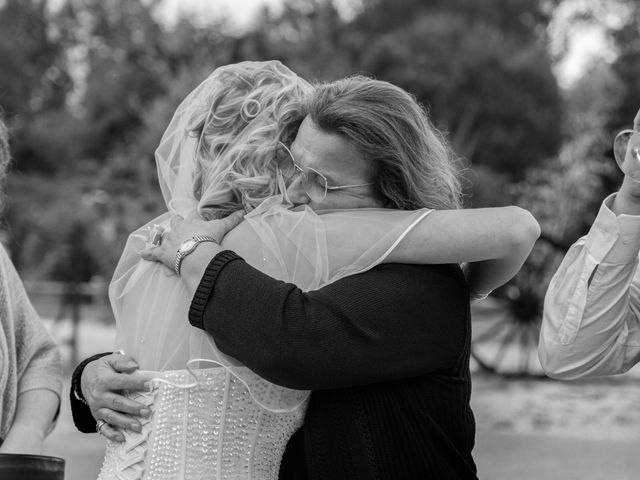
[(296, 193)]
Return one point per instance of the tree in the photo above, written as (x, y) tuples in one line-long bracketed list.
[(484, 73), (33, 77), (34, 82)]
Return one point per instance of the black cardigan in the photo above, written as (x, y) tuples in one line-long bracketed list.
[(386, 353)]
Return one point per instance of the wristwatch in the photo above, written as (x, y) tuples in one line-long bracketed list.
[(187, 247)]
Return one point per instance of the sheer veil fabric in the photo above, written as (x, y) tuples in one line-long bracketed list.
[(309, 249)]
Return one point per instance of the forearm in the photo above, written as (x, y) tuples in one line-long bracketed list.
[(195, 264), (35, 412), (349, 333), (469, 235), (485, 276), (494, 242), (590, 319)]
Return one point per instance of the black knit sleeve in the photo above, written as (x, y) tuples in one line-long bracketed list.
[(394, 321), (205, 288), (82, 418)]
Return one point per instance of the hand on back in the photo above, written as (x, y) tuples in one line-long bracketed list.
[(103, 383)]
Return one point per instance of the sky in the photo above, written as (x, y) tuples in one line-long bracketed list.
[(239, 11), (584, 45)]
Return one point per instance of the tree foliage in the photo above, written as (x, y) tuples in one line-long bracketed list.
[(104, 77)]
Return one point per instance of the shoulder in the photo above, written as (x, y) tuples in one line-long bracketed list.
[(426, 287), (417, 285)]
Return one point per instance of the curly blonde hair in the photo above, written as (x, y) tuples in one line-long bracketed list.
[(250, 106)]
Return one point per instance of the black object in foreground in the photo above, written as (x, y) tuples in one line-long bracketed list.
[(15, 466)]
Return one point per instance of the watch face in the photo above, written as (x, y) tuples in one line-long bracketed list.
[(187, 245)]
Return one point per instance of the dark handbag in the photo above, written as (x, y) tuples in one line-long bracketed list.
[(16, 466)]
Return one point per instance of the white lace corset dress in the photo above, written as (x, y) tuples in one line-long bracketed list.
[(212, 430)]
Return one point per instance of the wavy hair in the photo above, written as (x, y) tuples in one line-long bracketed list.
[(250, 106), (414, 167)]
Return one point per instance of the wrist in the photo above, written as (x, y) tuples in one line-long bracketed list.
[(627, 200), (194, 265), (188, 247)]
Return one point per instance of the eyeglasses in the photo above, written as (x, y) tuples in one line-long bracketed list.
[(314, 183), (626, 150)]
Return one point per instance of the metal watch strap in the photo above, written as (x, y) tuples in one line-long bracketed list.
[(180, 256)]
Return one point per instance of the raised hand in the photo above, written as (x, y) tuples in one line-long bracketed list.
[(626, 148), (627, 200)]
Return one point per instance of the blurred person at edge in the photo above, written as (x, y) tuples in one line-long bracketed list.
[(591, 319), (30, 369)]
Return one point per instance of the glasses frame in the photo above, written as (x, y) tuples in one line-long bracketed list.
[(302, 171)]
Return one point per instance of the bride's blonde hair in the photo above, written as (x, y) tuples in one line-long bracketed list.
[(246, 109)]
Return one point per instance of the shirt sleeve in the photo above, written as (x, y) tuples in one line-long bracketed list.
[(394, 321), (590, 322)]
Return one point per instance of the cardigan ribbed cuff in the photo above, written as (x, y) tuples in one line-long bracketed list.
[(80, 412), (205, 288)]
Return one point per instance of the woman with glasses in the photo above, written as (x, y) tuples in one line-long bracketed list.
[(316, 212), (591, 320)]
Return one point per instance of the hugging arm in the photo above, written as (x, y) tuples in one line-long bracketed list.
[(493, 242), (392, 322)]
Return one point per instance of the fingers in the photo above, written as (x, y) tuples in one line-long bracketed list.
[(101, 380), (121, 363), (117, 420), (193, 215), (232, 221), (162, 254), (122, 381), (111, 433), (151, 253), (175, 220), (121, 404)]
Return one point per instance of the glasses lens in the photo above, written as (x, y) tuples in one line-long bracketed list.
[(315, 185), (626, 150), (285, 162)]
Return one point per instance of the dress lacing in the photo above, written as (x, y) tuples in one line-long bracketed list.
[(210, 430)]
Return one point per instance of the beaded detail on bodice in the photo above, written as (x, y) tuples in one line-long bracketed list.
[(213, 430)]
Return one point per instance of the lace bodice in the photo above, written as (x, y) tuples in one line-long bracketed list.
[(214, 430)]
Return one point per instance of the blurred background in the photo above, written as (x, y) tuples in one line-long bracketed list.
[(530, 94)]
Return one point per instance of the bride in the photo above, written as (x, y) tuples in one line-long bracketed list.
[(213, 417)]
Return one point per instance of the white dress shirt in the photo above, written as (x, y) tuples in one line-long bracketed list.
[(591, 320)]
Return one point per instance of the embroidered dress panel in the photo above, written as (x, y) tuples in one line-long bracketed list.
[(212, 430)]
